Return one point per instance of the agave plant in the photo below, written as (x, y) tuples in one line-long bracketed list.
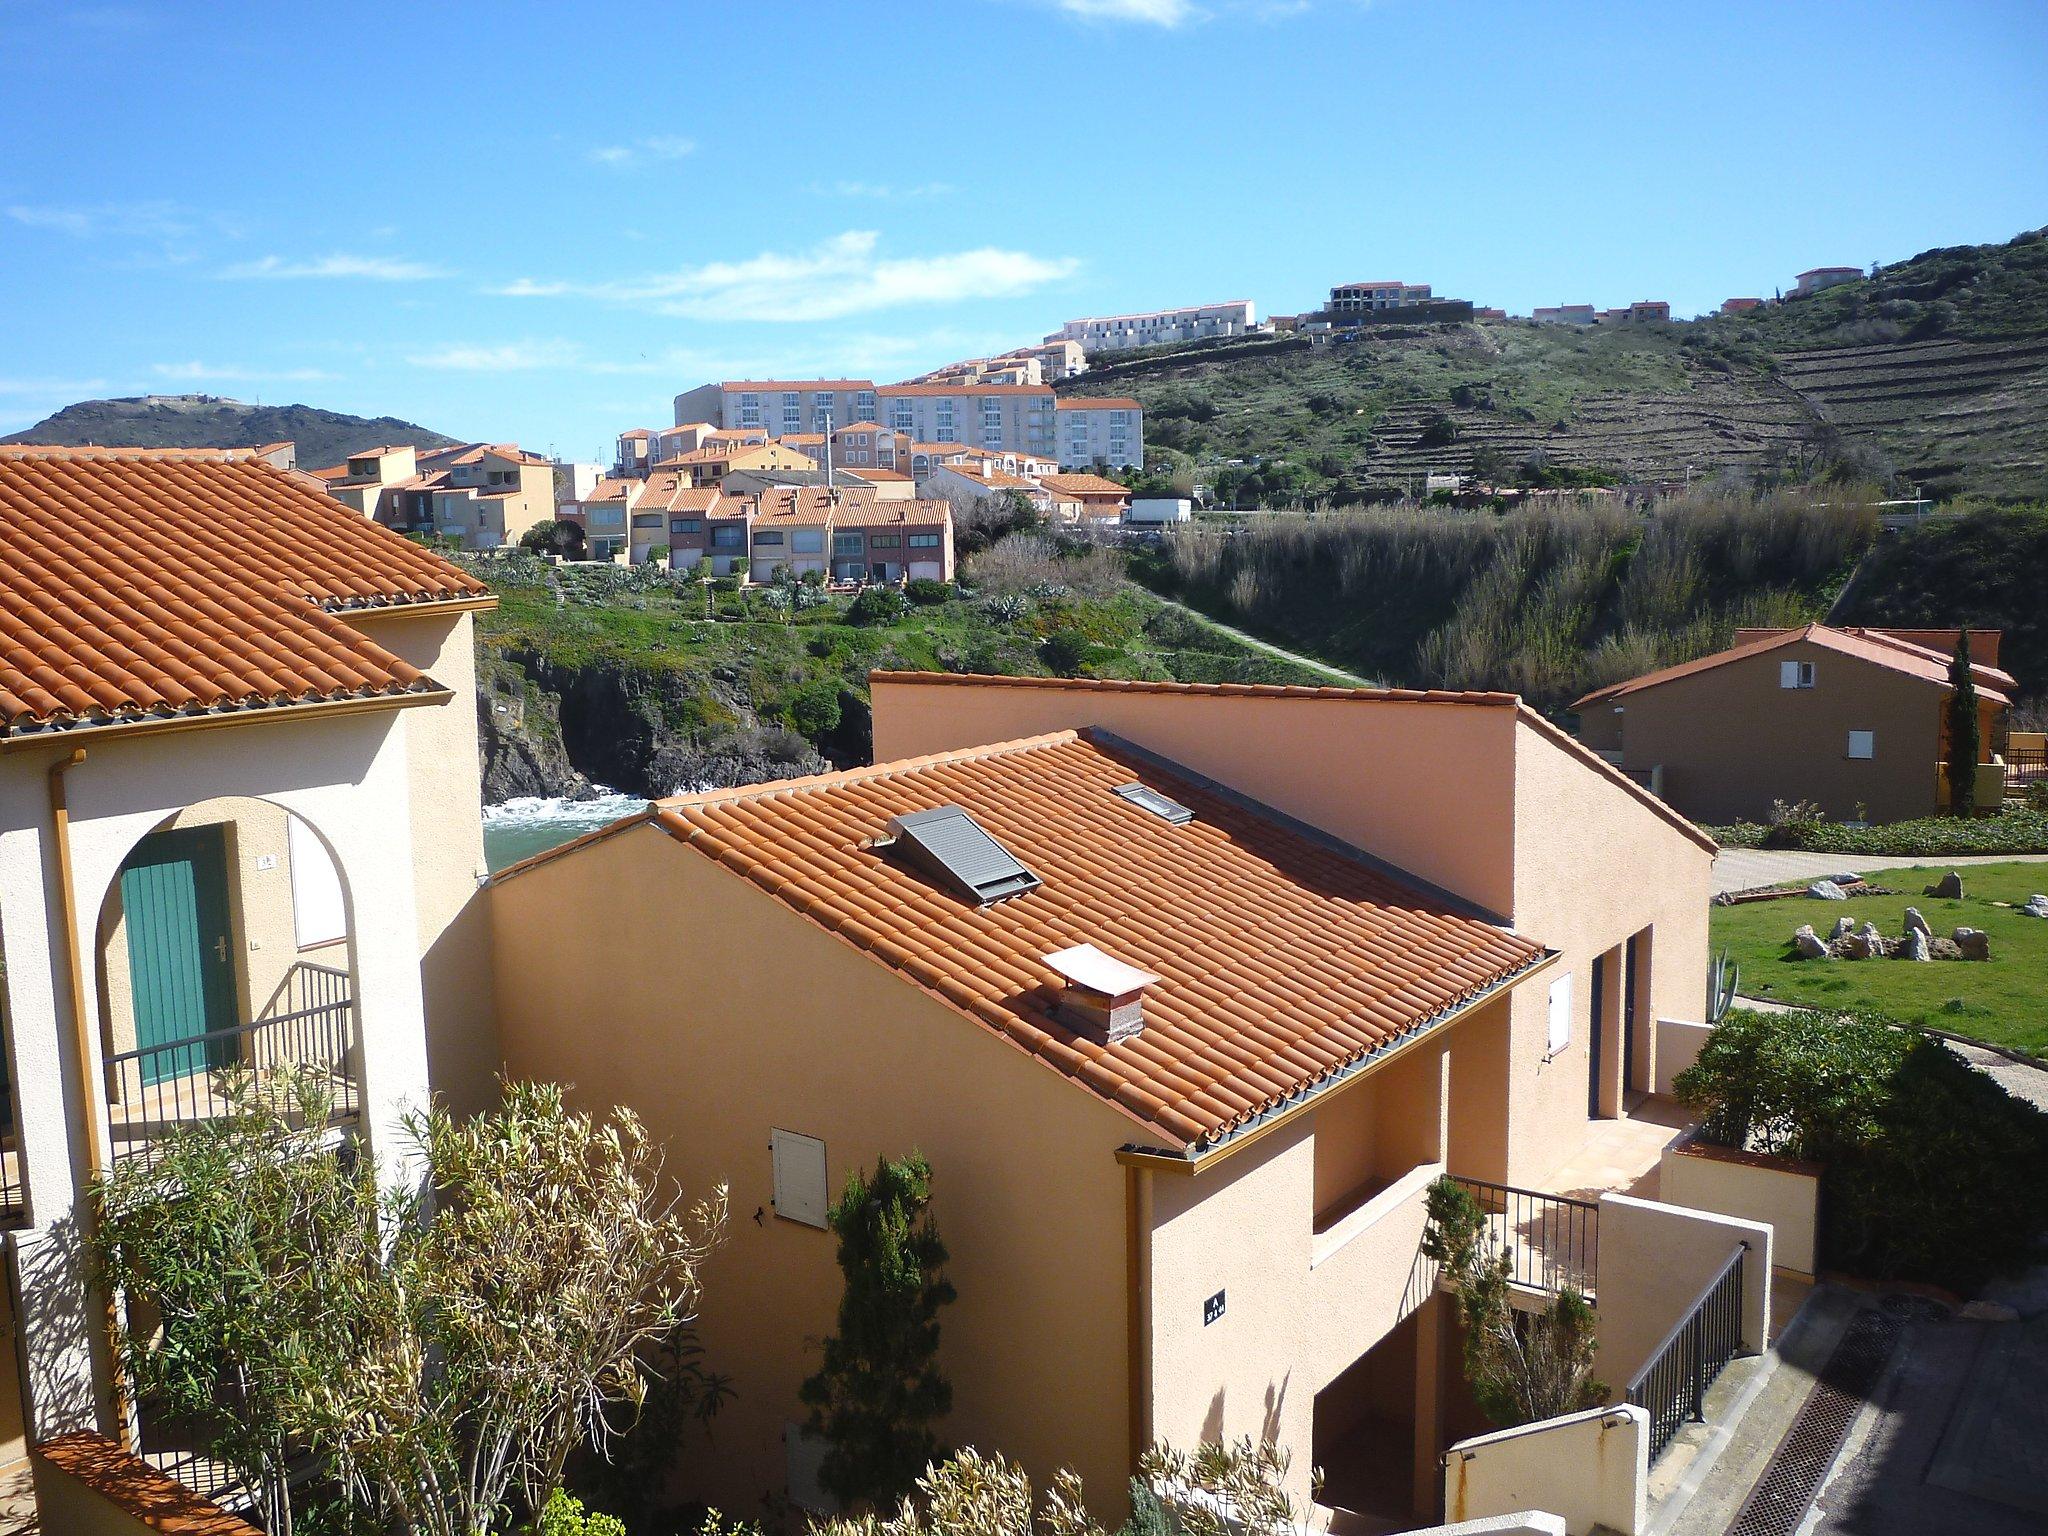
[(1724, 977)]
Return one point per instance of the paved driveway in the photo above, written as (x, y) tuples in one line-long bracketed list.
[(1744, 869)]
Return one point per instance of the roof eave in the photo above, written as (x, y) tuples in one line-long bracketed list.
[(56, 733)]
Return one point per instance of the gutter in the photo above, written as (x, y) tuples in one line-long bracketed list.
[(147, 725)]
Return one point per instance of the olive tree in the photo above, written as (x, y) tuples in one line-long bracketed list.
[(438, 1350)]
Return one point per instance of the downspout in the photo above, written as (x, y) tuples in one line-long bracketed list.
[(82, 1045), (1138, 1310)]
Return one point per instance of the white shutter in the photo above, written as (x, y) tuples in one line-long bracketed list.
[(1862, 743), (1560, 1014), (799, 1177), (1788, 674), (319, 911)]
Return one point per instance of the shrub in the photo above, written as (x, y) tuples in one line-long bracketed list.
[(815, 709), (1932, 1171), (926, 592), (1066, 651), (2022, 829), (876, 605)]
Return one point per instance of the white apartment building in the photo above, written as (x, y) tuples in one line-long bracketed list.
[(779, 406), (1368, 298), (1156, 327), (997, 417), (1103, 429)]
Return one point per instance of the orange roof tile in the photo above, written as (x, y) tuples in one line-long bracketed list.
[(966, 389), (1083, 485), (1099, 403), (150, 584), (1286, 960)]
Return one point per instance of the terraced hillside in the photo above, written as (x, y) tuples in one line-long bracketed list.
[(1952, 414), (1933, 372)]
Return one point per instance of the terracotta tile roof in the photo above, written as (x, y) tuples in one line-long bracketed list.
[(893, 475), (634, 433), (1083, 485), (152, 584), (1284, 960), (1557, 736), (1887, 651), (1099, 403), (868, 511), (812, 384), (966, 389)]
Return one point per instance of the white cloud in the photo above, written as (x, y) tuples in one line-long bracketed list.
[(504, 357), (883, 191), (1155, 13), (198, 373), (151, 219), (656, 147), (381, 269), (842, 276)]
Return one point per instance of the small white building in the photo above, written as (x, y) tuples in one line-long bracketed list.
[(1816, 278), (1153, 511)]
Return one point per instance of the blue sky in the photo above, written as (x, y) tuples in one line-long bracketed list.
[(539, 221)]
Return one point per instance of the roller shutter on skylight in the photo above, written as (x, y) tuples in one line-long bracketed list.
[(950, 844)]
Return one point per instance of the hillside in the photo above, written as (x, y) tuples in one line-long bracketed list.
[(645, 682), (212, 421), (1935, 372)]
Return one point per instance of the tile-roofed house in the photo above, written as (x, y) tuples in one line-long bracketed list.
[(1852, 719), (1188, 996), (1282, 962), (239, 826), (1080, 496), (236, 609)]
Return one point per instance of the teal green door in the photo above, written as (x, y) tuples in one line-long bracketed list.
[(174, 897)]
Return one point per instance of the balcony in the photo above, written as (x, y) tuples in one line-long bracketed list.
[(164, 1085)]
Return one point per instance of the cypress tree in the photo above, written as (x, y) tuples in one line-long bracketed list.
[(879, 1392), (1964, 742)]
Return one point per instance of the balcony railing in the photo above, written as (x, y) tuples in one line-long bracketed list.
[(177, 1082), (1552, 1241), (1672, 1387)]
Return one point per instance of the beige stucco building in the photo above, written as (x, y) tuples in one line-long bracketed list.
[(486, 495), (238, 824), (1370, 937), (1852, 720)]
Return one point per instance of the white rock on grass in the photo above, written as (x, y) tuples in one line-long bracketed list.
[(1975, 943), (1844, 925), (1915, 920), (1915, 945), (1810, 944), (1827, 890)]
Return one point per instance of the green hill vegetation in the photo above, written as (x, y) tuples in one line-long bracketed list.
[(645, 680), (1930, 375), (212, 421)]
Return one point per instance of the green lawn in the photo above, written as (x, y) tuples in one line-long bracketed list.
[(2003, 1000)]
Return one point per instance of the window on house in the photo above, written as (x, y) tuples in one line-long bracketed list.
[(1862, 743), (882, 541), (845, 543), (728, 537), (924, 541), (1795, 674), (767, 539), (685, 525), (808, 541), (1560, 1015), (799, 1165)]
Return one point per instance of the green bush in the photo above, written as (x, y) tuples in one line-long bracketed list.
[(2020, 830), (564, 1515), (814, 711), (876, 605), (1932, 1170), (926, 592)]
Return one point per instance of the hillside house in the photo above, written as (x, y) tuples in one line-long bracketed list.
[(1853, 720), (1814, 279), (486, 495), (1085, 498), (238, 824), (850, 536), (1188, 993)]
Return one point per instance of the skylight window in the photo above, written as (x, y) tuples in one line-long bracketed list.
[(1148, 798), (950, 844)]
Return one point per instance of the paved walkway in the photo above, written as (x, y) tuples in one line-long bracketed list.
[(1744, 869)]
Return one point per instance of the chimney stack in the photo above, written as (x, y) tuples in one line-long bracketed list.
[(1102, 998)]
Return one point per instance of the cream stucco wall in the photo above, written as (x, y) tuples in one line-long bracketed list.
[(683, 1021), (444, 798), (348, 777), (1780, 1193), (1590, 1468), (1655, 1261)]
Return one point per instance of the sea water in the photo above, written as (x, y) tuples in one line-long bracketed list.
[(519, 828)]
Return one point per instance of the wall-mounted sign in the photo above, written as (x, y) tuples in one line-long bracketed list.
[(1212, 1309)]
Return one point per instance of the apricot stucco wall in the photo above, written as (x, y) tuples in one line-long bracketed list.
[(1655, 1262), (1594, 865), (1777, 1191), (720, 1015)]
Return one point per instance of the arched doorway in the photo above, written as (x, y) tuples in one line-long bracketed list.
[(225, 951)]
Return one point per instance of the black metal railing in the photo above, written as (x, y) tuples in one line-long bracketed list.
[(1552, 1241), (2024, 768), (175, 1082), (1672, 1388)]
